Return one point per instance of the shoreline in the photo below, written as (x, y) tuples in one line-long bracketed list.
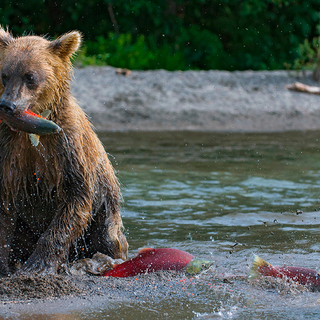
[(216, 101)]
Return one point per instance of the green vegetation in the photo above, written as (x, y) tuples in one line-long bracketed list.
[(309, 56), (124, 52), (176, 34)]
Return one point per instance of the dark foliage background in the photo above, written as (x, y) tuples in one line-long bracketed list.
[(174, 34)]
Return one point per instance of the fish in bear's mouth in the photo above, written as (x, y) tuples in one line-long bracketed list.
[(27, 121)]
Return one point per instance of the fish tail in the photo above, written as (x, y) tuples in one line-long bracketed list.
[(256, 264)]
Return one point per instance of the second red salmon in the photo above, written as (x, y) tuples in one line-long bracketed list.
[(300, 275)]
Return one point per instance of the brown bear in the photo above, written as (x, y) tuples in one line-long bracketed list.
[(61, 197)]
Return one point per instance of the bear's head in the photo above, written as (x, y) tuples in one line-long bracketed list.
[(35, 72)]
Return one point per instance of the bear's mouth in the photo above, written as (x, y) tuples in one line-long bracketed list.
[(26, 120), (9, 108)]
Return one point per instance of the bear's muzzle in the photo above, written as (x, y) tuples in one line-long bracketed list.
[(7, 106)]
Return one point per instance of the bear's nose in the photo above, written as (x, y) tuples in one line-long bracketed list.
[(7, 106)]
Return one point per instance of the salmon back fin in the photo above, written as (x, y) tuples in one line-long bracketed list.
[(256, 264), (46, 113), (143, 250)]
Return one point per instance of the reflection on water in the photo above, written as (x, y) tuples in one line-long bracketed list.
[(221, 197)]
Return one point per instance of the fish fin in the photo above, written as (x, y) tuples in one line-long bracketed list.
[(256, 264), (34, 138), (46, 113), (145, 250)]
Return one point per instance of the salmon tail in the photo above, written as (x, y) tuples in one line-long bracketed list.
[(256, 264)]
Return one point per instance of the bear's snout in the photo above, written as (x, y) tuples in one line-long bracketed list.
[(7, 106)]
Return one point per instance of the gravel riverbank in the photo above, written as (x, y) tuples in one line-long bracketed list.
[(247, 101)]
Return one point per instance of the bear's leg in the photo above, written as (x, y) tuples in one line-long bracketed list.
[(7, 228), (23, 243), (53, 246), (105, 234)]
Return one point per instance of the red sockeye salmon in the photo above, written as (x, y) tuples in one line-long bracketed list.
[(150, 260), (303, 276)]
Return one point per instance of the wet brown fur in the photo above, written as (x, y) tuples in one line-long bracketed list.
[(63, 190)]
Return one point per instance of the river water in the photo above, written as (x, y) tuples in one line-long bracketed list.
[(222, 197)]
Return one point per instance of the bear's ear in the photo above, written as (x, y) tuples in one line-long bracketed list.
[(5, 38), (67, 44)]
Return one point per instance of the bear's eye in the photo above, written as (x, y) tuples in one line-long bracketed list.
[(4, 79), (30, 79)]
